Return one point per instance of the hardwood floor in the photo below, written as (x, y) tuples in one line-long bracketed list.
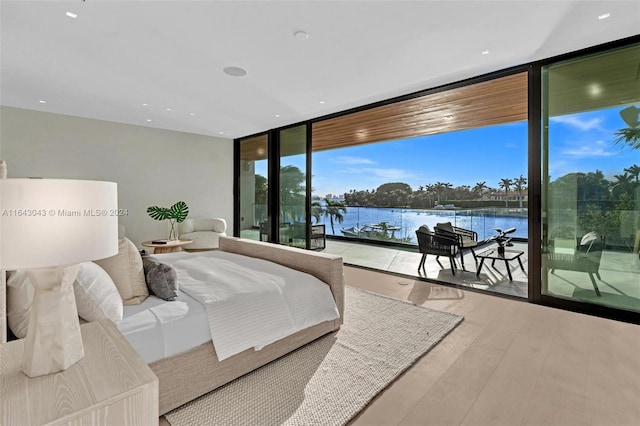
[(509, 363)]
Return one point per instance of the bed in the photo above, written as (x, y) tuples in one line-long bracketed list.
[(186, 363)]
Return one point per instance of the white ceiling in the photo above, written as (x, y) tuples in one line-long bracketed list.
[(117, 55)]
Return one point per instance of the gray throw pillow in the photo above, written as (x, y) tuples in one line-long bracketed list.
[(161, 278)]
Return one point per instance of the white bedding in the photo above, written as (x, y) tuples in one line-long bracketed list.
[(159, 329), (295, 300)]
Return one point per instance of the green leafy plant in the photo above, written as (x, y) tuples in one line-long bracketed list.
[(177, 213)]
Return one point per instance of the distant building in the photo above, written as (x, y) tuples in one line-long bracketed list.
[(513, 196)]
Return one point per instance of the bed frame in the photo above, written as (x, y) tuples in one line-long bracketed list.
[(188, 375), (193, 373)]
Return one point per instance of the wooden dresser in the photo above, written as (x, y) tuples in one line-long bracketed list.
[(111, 385)]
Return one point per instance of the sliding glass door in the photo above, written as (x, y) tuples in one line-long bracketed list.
[(272, 187), (590, 180), (253, 187), (293, 186)]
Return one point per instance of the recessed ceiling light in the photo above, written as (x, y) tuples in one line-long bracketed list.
[(322, 102), (448, 116), (42, 102), (235, 71), (192, 114), (301, 35), (72, 15), (485, 52), (221, 133), (145, 104), (604, 16), (595, 89), (148, 120), (277, 115), (168, 109)]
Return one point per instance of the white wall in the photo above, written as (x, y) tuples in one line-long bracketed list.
[(150, 166)]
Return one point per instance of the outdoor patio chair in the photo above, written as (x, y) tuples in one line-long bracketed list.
[(465, 239), (586, 258), (438, 245)]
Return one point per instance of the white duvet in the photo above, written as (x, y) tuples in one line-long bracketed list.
[(250, 302)]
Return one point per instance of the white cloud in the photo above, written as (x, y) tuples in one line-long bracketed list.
[(595, 149), (579, 122), (380, 172), (352, 160)]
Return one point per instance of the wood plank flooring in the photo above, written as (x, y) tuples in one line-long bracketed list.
[(509, 363)]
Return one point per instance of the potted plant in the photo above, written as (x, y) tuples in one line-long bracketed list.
[(177, 213)]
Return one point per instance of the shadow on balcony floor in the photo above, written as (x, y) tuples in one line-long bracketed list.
[(403, 261)]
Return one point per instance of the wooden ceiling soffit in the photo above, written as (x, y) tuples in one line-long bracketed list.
[(498, 101), (254, 148), (598, 81)]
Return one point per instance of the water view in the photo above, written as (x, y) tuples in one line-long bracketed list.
[(401, 224)]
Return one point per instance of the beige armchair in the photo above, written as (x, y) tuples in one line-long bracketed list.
[(203, 232)]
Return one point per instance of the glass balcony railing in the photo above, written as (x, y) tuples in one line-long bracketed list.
[(399, 225)]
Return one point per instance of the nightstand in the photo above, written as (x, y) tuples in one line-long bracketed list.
[(111, 385)]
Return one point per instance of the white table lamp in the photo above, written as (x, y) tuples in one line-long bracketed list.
[(48, 226)]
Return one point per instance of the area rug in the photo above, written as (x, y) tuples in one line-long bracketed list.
[(328, 381)]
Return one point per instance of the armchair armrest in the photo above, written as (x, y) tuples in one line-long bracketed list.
[(453, 236), (466, 233)]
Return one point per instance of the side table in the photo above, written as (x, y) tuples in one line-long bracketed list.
[(111, 385), (506, 256), (169, 247)]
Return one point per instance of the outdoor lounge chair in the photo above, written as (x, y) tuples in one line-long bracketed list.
[(465, 239), (586, 258), (438, 245)]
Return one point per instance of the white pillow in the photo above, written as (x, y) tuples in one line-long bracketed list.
[(126, 271), (20, 293), (97, 296)]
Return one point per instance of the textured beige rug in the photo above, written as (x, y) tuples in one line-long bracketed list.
[(329, 381)]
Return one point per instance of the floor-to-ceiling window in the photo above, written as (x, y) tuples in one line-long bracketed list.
[(583, 240), (590, 179), (272, 186), (456, 155), (253, 187), (293, 186)]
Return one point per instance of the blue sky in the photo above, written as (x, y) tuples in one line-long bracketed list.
[(578, 142)]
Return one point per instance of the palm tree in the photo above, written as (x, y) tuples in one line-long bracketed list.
[(441, 189), (333, 210), (479, 188), (316, 211), (519, 184), (629, 136), (634, 171), (438, 188), (506, 184), (430, 190), (623, 184)]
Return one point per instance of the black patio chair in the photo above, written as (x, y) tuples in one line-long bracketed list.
[(465, 239), (586, 258), (438, 245)]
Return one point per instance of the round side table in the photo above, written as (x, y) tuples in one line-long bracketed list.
[(169, 247)]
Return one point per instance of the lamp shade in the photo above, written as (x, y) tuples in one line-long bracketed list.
[(53, 222)]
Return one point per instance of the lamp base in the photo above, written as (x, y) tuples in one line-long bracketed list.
[(53, 342)]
